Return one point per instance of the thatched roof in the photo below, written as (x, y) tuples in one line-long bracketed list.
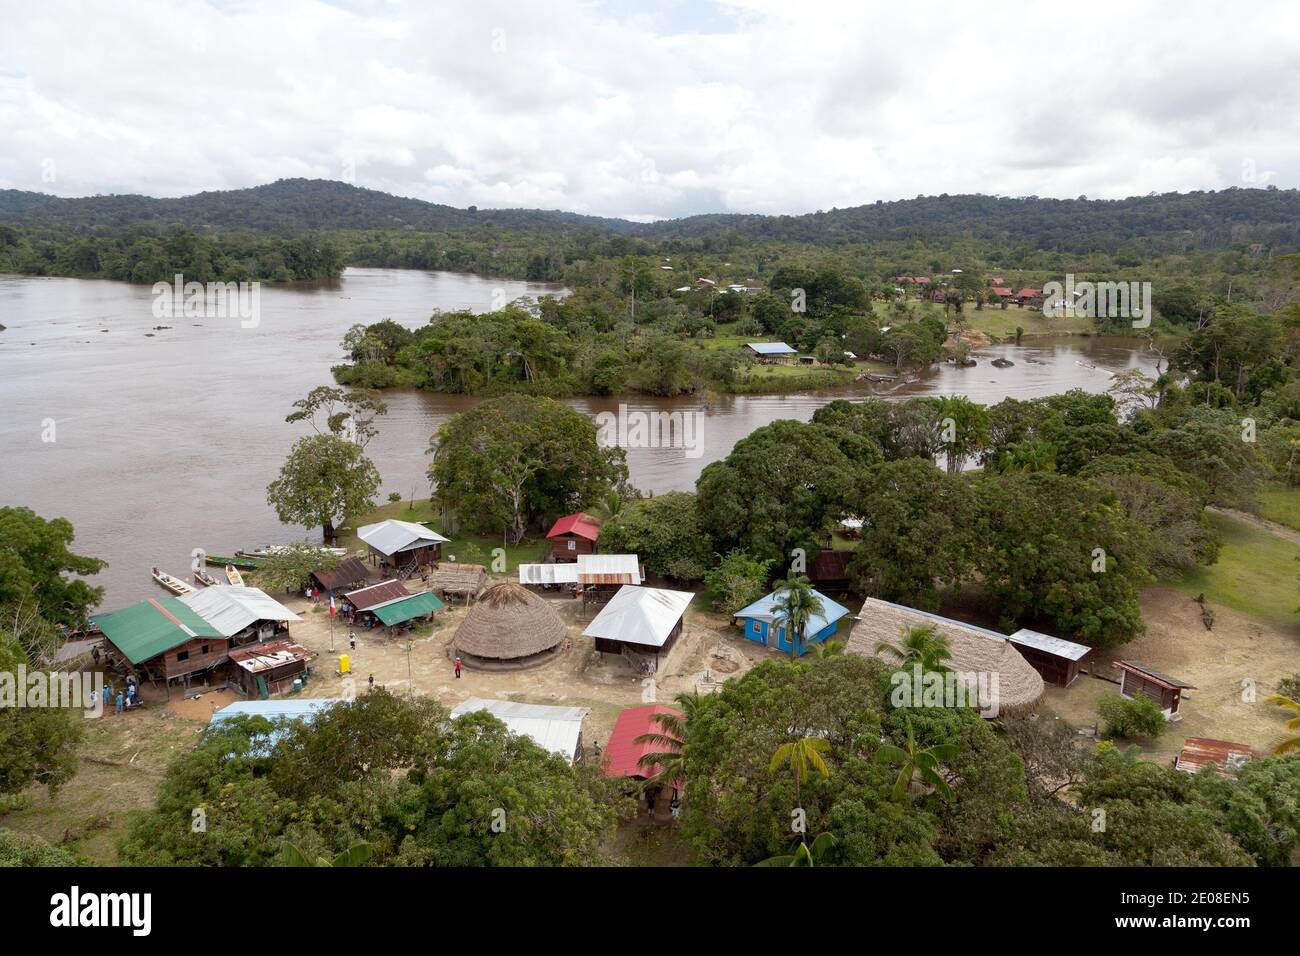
[(458, 578), (509, 622), (974, 650)]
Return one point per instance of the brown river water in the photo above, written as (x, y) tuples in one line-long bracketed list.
[(154, 442)]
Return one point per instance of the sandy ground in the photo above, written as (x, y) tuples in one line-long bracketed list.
[(1263, 524), (578, 676), (1241, 654)]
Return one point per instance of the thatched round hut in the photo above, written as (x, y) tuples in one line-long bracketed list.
[(509, 627)]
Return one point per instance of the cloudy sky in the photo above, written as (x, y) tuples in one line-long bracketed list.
[(651, 109)]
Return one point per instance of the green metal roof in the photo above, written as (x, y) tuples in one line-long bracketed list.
[(404, 609), (151, 627)]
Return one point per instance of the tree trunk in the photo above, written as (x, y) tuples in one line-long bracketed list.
[(328, 532)]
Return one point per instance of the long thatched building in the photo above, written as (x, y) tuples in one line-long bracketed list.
[(975, 651), (510, 627)]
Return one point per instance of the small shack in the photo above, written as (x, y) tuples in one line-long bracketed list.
[(452, 581), (623, 755), (265, 669), (242, 614), (772, 353), (403, 611), (601, 575), (573, 535), (509, 628), (557, 729), (1224, 755), (1166, 691), (363, 599), (1053, 657), (350, 574), (761, 622), (641, 624), (162, 639), (830, 571), (402, 547)]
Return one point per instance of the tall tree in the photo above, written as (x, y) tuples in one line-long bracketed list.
[(324, 480)]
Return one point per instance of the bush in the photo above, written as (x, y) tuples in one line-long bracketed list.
[(1130, 718), (1290, 687)]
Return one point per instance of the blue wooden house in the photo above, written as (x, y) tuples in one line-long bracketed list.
[(762, 623)]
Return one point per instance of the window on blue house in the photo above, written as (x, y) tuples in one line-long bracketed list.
[(758, 627)]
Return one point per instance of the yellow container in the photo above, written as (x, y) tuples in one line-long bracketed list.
[(345, 664)]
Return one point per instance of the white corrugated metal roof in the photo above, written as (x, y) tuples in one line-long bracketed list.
[(605, 564), (392, 536), (553, 728), (640, 615), (771, 348), (230, 609), (1058, 646), (566, 573)]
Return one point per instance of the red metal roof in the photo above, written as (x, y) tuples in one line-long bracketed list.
[(375, 594), (1001, 290), (1199, 751), (583, 525), (623, 753), (1028, 293)]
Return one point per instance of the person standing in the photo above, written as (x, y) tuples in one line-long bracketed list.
[(458, 667), (119, 702), (352, 640), (108, 695)]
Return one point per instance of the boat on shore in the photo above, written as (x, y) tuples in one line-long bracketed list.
[(172, 583), (206, 579), (221, 561), (271, 550), (233, 576)]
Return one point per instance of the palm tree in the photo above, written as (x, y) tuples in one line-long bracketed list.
[(610, 506), (803, 756), (831, 647), (356, 855), (797, 604), (803, 855), (1290, 744), (669, 741), (915, 760), (922, 645)]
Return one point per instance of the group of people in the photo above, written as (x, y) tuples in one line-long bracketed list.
[(123, 699)]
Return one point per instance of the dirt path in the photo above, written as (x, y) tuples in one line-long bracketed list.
[(1263, 524)]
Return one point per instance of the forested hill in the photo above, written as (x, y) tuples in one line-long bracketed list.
[(1169, 222), (285, 207)]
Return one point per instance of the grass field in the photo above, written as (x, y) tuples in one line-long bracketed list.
[(1281, 504), (1255, 574), (467, 548)]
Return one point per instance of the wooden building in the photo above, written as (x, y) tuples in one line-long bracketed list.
[(573, 535), (1224, 755), (624, 753), (351, 573), (402, 547), (640, 624), (161, 640), (1138, 679), (265, 669), (601, 575), (241, 613), (830, 571), (1055, 658)]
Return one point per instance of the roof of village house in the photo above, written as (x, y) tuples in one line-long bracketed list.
[(581, 524), (609, 569), (1226, 755), (350, 571), (623, 754), (770, 348), (556, 729), (558, 572), (408, 608), (1164, 680), (289, 708), (392, 536), (1001, 290), (230, 609), (450, 578), (149, 628), (363, 599), (259, 658), (831, 566), (637, 615), (765, 609), (974, 650), (509, 623), (1028, 293), (1056, 646)]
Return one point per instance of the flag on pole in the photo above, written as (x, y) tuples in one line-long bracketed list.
[(331, 605)]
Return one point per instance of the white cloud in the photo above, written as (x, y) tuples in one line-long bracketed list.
[(644, 109)]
